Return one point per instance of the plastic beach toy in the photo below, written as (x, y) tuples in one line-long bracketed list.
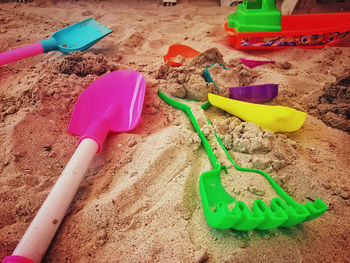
[(273, 118), (113, 103), (256, 16), (79, 36), (254, 63), (283, 211), (207, 75), (255, 94), (244, 28), (176, 50)]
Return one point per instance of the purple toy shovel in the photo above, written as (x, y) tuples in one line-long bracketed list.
[(255, 94), (113, 103)]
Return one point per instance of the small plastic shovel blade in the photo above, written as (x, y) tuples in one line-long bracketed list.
[(254, 63), (176, 50), (80, 36), (112, 103)]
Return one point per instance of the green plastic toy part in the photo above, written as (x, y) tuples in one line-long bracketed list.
[(283, 211), (256, 16)]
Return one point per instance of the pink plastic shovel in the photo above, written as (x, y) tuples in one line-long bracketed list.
[(111, 104)]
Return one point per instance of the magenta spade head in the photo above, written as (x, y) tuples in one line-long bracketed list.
[(254, 63), (113, 103), (255, 94)]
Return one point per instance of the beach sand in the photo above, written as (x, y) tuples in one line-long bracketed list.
[(140, 199)]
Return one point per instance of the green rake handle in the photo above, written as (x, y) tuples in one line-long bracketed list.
[(286, 212)]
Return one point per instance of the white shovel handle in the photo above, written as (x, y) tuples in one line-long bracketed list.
[(39, 234)]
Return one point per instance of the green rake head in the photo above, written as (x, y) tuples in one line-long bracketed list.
[(283, 211), (216, 202)]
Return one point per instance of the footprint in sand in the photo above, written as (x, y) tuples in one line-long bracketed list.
[(136, 40), (3, 45), (157, 44), (87, 13), (118, 29), (215, 31), (189, 16)]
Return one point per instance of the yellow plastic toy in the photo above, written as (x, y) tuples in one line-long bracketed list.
[(273, 118)]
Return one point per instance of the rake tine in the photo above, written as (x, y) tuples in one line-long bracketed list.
[(272, 219), (295, 214), (316, 209), (249, 220)]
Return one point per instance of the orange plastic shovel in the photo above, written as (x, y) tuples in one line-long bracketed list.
[(176, 50)]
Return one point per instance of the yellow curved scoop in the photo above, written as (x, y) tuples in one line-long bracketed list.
[(273, 118)]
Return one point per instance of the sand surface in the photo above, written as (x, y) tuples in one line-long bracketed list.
[(140, 200)]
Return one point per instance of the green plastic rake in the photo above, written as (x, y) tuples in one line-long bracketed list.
[(283, 211)]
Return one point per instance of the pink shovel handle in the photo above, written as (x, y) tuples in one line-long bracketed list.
[(21, 53), (16, 259), (37, 238)]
